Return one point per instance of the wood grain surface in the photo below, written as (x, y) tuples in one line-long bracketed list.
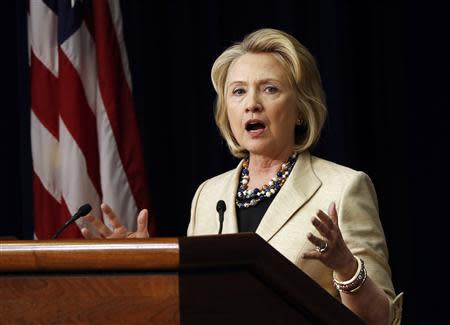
[(146, 298)]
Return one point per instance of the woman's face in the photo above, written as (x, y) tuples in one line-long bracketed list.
[(261, 105)]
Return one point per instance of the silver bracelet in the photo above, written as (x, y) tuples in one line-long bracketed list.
[(356, 282)]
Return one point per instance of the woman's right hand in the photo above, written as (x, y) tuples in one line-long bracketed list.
[(119, 230)]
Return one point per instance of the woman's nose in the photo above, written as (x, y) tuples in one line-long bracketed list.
[(254, 108), (253, 105)]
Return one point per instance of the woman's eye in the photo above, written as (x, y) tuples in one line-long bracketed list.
[(238, 91), (271, 89)]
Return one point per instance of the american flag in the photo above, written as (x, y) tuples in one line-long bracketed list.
[(84, 138)]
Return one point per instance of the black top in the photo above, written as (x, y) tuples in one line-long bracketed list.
[(249, 218)]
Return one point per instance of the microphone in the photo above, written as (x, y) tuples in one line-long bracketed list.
[(221, 207), (82, 211)]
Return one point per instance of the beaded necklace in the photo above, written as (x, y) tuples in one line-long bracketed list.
[(246, 198)]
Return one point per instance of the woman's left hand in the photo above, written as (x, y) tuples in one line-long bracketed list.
[(331, 249)]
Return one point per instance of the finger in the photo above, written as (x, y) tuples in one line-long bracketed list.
[(89, 218), (321, 227), (113, 218), (142, 224), (98, 224), (325, 219), (119, 233), (312, 255), (316, 240), (332, 212), (131, 235), (87, 233)]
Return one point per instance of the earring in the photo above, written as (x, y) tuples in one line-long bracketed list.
[(298, 122)]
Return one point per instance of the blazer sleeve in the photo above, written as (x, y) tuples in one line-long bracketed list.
[(363, 233)]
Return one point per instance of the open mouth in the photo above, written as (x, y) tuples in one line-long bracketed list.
[(254, 125)]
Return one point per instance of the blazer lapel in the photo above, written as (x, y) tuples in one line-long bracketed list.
[(300, 186)]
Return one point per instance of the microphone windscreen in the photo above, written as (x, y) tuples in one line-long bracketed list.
[(221, 206), (84, 210)]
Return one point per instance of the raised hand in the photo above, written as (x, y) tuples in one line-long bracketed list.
[(331, 249), (119, 230)]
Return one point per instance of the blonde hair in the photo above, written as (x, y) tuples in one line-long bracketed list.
[(303, 75)]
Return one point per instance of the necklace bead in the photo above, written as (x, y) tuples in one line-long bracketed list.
[(246, 198)]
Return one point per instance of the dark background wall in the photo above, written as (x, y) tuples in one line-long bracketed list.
[(384, 66)]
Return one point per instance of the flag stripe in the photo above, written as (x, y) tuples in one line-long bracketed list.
[(84, 62), (45, 154), (44, 205), (44, 86), (71, 107), (116, 18), (43, 36), (76, 185)]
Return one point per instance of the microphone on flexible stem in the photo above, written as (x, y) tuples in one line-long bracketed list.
[(221, 207), (82, 211)]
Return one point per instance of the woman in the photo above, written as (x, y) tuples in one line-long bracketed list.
[(323, 217)]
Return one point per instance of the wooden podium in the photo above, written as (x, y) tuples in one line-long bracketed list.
[(226, 279)]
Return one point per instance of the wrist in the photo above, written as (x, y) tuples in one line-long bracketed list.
[(347, 270), (356, 281)]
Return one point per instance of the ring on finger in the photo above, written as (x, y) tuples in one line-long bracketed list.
[(322, 249)]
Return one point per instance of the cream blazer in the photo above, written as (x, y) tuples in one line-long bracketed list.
[(312, 185)]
